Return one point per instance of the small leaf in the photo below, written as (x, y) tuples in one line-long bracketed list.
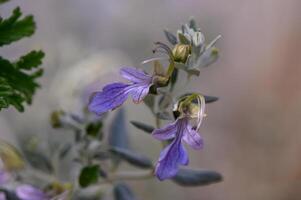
[(94, 129), (146, 128), (38, 160), (208, 57), (192, 24), (89, 175), (210, 99), (171, 37), (123, 192), (174, 78), (189, 177), (118, 132), (183, 39), (149, 101), (132, 157), (164, 115), (13, 28), (30, 60)]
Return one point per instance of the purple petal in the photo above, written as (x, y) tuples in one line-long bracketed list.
[(193, 138), (138, 91), (2, 196), (135, 75), (170, 158), (28, 192), (4, 177), (166, 133), (112, 96)]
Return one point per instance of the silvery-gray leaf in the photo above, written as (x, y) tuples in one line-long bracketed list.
[(189, 177), (171, 37), (192, 24), (209, 56), (190, 71), (149, 101), (183, 39), (118, 136), (132, 157), (123, 192), (164, 116), (146, 128), (198, 39)]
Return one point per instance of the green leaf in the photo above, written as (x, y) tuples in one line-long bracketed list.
[(16, 85), (94, 129), (14, 28), (144, 127), (189, 177), (89, 175), (31, 60), (123, 192), (183, 39), (132, 157), (3, 1)]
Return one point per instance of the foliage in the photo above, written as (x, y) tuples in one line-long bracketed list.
[(18, 81)]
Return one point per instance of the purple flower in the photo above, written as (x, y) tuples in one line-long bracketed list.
[(175, 153), (2, 196), (28, 192), (115, 94), (4, 177)]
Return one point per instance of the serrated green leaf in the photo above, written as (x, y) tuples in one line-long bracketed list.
[(123, 192), (17, 86), (144, 127), (132, 157), (14, 28), (189, 177), (88, 175), (31, 60)]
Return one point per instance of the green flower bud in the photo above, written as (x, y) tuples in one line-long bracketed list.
[(181, 52)]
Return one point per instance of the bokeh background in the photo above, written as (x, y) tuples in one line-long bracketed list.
[(252, 134)]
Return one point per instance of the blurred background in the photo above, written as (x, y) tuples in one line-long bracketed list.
[(252, 134)]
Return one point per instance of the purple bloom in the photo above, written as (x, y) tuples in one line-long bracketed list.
[(115, 94), (28, 192), (2, 196), (4, 177), (175, 153)]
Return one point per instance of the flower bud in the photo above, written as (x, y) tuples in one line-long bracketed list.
[(181, 52)]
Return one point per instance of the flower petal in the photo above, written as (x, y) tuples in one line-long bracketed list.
[(28, 192), (112, 96), (135, 75), (2, 196), (193, 138), (4, 177), (169, 160), (139, 91), (166, 133)]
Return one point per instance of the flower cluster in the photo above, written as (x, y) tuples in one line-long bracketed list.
[(189, 53)]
